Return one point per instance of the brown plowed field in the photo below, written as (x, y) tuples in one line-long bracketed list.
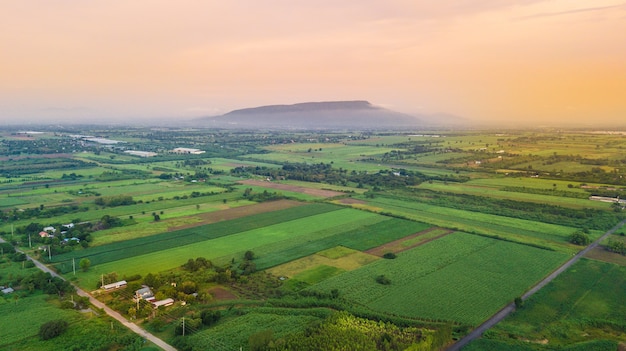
[(294, 188), (238, 212), (396, 245), (221, 294)]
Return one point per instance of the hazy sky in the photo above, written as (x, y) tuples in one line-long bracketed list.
[(494, 60)]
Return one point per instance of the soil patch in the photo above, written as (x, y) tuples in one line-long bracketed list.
[(351, 201), (397, 245), (222, 294), (294, 188), (238, 212)]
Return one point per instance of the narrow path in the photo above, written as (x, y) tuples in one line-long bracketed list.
[(132, 326), (476, 333)]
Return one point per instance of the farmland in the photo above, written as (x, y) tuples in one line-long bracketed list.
[(271, 239), (583, 304)]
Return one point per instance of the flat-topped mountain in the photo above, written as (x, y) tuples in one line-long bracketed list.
[(316, 115)]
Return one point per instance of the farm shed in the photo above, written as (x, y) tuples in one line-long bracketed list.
[(116, 285), (7, 290), (166, 302)]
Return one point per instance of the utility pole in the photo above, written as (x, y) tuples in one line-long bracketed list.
[(74, 265), (49, 254), (29, 243), (183, 326)]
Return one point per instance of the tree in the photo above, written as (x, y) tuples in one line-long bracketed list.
[(84, 264), (519, 303), (579, 238), (249, 255), (52, 329)]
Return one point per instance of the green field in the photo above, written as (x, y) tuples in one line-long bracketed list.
[(461, 278), (536, 233), (584, 303)]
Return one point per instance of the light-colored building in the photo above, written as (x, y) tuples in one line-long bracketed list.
[(166, 302), (116, 285), (184, 150)]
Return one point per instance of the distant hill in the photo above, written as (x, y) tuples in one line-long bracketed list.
[(316, 115)]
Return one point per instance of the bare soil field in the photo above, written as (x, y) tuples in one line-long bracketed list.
[(222, 294), (294, 188), (238, 212), (351, 201), (601, 254), (399, 245)]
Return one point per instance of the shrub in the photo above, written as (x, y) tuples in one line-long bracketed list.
[(52, 329)]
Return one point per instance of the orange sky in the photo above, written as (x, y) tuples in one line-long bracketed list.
[(538, 61)]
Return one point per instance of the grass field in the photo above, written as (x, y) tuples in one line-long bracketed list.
[(22, 318), (231, 241), (460, 277), (584, 303), (347, 260), (471, 187), (536, 233)]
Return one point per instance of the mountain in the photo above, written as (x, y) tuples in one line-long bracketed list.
[(315, 115)]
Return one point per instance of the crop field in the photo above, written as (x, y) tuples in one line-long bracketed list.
[(549, 235), (349, 260), (232, 334), (471, 188), (586, 302), (229, 241), (22, 318), (163, 241), (461, 278)]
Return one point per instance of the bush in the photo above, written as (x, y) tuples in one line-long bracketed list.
[(52, 329), (580, 238), (381, 279), (389, 255)]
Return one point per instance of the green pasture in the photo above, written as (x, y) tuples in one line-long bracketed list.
[(584, 303), (482, 190), (317, 274), (323, 186), (225, 164), (460, 277), (290, 194), (538, 183), (233, 199), (520, 230), (362, 235), (162, 257)]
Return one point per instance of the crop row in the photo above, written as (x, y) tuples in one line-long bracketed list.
[(129, 248), (460, 277)]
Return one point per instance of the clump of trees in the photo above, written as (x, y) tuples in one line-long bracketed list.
[(112, 201), (52, 329), (617, 246), (580, 238)]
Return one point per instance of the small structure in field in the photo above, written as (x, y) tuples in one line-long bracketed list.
[(116, 285), (166, 302), (185, 150)]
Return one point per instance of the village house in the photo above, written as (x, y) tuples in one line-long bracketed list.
[(144, 294)]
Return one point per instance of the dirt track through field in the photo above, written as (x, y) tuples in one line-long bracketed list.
[(238, 212), (294, 188), (396, 245)]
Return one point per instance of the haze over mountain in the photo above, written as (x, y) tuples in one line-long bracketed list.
[(357, 114)]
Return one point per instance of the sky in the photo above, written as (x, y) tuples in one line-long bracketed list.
[(495, 61)]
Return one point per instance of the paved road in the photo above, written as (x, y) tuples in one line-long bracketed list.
[(132, 326), (511, 307)]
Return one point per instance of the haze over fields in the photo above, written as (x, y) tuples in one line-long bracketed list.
[(534, 61)]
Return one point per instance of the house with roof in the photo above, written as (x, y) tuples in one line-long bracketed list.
[(144, 294), (50, 230), (116, 285), (166, 302)]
